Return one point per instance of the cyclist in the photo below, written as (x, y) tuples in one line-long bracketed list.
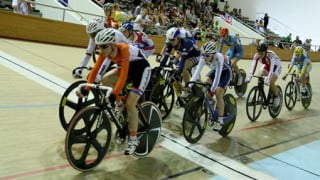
[(235, 51), (189, 58), (92, 28), (271, 68), (132, 67), (303, 66), (219, 76), (109, 13), (137, 38)]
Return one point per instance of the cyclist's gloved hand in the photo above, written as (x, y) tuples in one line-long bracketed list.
[(267, 81), (76, 73), (83, 92), (248, 79)]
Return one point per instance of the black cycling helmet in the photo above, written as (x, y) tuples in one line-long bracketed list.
[(262, 47)]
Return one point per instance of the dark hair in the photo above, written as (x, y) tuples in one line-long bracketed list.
[(262, 47)]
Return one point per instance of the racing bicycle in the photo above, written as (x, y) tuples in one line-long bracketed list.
[(89, 132)]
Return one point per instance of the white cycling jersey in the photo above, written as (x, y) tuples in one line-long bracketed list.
[(218, 64), (271, 64)]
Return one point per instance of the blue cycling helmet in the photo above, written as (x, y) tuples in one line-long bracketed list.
[(127, 25)]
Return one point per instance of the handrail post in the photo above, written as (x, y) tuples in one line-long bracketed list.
[(63, 15)]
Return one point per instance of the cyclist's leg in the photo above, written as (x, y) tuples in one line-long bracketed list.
[(140, 73), (110, 78), (186, 76), (223, 84)]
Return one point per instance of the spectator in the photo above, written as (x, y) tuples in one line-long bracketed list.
[(288, 40), (265, 22), (260, 26), (226, 7), (21, 7), (142, 21), (216, 27), (296, 42), (215, 6), (307, 45)]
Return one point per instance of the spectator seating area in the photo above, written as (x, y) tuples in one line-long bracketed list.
[(6, 5)]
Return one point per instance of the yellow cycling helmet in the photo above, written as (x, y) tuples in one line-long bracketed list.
[(298, 51)]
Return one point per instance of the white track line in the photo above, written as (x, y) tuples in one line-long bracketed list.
[(198, 154)]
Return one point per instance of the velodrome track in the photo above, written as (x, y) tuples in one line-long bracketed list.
[(34, 76)]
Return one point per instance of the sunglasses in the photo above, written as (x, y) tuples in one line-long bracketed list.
[(206, 55), (104, 46)]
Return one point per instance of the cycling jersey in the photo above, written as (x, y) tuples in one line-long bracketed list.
[(303, 63), (271, 63), (142, 41), (186, 48), (235, 50), (220, 71), (126, 54)]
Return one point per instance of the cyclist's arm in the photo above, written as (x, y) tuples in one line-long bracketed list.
[(254, 64), (293, 60), (198, 70), (105, 65), (306, 61), (167, 52), (182, 62), (90, 50), (93, 73), (219, 60), (124, 63)]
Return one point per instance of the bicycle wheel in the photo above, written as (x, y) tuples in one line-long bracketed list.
[(148, 136), (230, 109), (241, 90), (88, 138), (195, 119), (254, 104), (290, 96), (307, 101), (274, 111), (70, 104), (163, 96)]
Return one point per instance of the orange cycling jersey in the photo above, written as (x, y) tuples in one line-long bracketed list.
[(109, 21), (122, 58)]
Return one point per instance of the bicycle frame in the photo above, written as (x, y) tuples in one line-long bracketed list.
[(261, 90)]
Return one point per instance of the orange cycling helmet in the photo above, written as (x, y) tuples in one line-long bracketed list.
[(224, 31)]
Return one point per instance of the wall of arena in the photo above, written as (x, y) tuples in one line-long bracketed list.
[(29, 28)]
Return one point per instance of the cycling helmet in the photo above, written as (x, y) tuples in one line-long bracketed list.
[(298, 51), (173, 33), (209, 48), (94, 26), (105, 36), (262, 47), (127, 25), (107, 6), (224, 31)]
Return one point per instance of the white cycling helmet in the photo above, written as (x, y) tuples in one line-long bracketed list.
[(173, 33), (209, 48), (95, 25), (105, 36)]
